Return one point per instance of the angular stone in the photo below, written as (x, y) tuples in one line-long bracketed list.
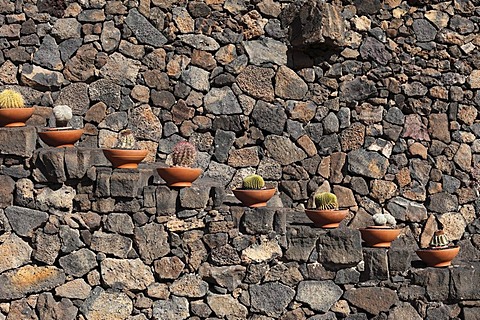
[(47, 247), (454, 225), (103, 304), (48, 55), (67, 28), (269, 117), (373, 300), (105, 91), (246, 157), (229, 277), (406, 210), (376, 264), (226, 306), (340, 248), (404, 311), (197, 78), (119, 223), (79, 262), (75, 289), (121, 70), (152, 242), (368, 164), (20, 309), (258, 220), (144, 123), (48, 308), (18, 283), (289, 85), (424, 31), (266, 51), (75, 96), (15, 252), (111, 243), (144, 31), (283, 150), (61, 199), (130, 274), (257, 82), (7, 187), (110, 36), (175, 308), (222, 101), (24, 221), (357, 89), (41, 78), (265, 251), (464, 280), (82, 66), (200, 42), (435, 281), (166, 200), (438, 127), (353, 137), (169, 267), (319, 295), (194, 197), (442, 202), (270, 298), (189, 285)]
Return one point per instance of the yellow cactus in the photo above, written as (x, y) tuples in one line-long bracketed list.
[(11, 99)]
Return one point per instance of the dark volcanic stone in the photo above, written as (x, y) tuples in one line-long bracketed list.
[(24, 221), (271, 298), (223, 141), (357, 89), (269, 117), (373, 300), (144, 30), (435, 280), (340, 248), (424, 30), (367, 163), (464, 282), (442, 202), (374, 49)]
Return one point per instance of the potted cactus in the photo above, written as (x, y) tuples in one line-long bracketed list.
[(253, 192), (61, 135), (180, 172), (440, 251), (13, 112), (326, 213), (125, 154), (382, 233)]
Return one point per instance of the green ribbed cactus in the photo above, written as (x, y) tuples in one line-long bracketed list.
[(184, 154), (10, 99), (326, 201), (439, 240), (254, 182), (126, 140)]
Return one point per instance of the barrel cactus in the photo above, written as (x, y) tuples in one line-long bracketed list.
[(326, 201), (254, 182), (62, 114), (439, 240), (184, 154), (384, 219), (126, 140), (11, 99)]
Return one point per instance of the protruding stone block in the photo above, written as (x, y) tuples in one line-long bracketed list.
[(340, 248), (18, 141), (258, 220)]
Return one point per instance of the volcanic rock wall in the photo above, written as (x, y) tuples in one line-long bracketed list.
[(375, 100)]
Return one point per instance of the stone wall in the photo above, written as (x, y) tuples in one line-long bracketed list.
[(374, 100)]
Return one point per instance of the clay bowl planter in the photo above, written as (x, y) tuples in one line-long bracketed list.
[(179, 176), (441, 257), (15, 117), (61, 138), (327, 219), (254, 198), (125, 158), (379, 236)]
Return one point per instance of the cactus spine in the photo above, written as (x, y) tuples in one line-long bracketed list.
[(62, 114), (11, 99), (184, 154), (439, 240), (126, 140), (383, 219), (254, 182), (326, 201)]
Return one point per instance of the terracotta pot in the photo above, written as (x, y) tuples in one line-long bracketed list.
[(125, 158), (438, 257), (15, 117), (379, 236), (327, 219), (60, 138), (254, 198), (179, 176)]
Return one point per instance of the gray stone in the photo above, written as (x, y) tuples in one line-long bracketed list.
[(15, 252), (194, 197), (79, 262), (197, 78), (75, 289), (60, 199), (283, 150), (47, 247), (395, 115), (266, 51), (463, 285), (374, 49), (189, 285), (367, 163), (222, 101), (152, 242), (18, 283), (340, 248), (373, 300), (404, 311), (435, 281), (124, 184), (226, 306), (319, 295), (103, 304), (69, 239), (130, 274), (258, 220), (121, 70), (144, 31), (110, 36), (223, 142), (289, 85), (330, 123), (376, 264), (7, 187), (200, 42), (175, 308), (41, 78), (269, 117), (119, 223), (357, 89), (18, 141), (111, 243), (105, 91), (67, 28), (442, 202), (271, 298), (229, 277), (406, 210), (166, 200), (169, 267), (75, 96), (24, 221), (48, 55), (68, 48), (424, 30), (48, 308)]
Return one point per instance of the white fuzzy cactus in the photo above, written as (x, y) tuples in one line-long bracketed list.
[(62, 114), (383, 219)]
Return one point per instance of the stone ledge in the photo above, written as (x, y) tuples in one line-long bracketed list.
[(19, 141)]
